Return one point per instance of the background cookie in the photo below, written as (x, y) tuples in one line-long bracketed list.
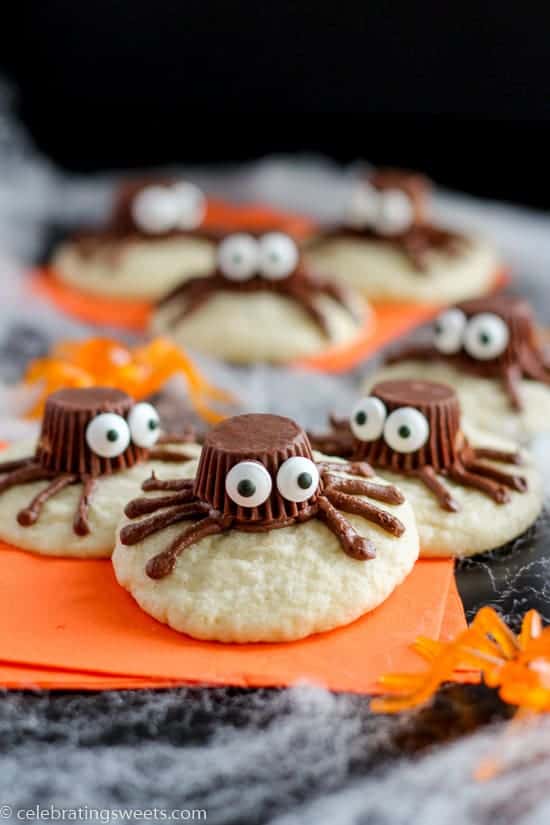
[(134, 268), (484, 401), (383, 272), (276, 586), (53, 533)]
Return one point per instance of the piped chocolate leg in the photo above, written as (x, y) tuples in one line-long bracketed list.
[(491, 454), (143, 506), (163, 563), (387, 493), (338, 442), (169, 455), (536, 366), (153, 484), (10, 466), (354, 545), (81, 525), (429, 478), (306, 299), (24, 475), (512, 376), (30, 514), (134, 533), (514, 482), (423, 351), (485, 485), (359, 507), (354, 468)]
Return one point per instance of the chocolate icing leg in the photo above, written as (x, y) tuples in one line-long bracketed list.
[(515, 482), (163, 563), (154, 483), (142, 506), (354, 545), (484, 485), (359, 507), (512, 376), (30, 514), (423, 351), (81, 525), (10, 466), (356, 486), (134, 533), (169, 455), (354, 468), (24, 475), (491, 454), (428, 477)]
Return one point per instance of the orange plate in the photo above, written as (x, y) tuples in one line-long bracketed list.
[(66, 623)]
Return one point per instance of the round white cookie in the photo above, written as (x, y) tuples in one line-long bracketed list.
[(483, 401), (382, 272), (256, 326), (53, 534), (134, 269), (481, 524), (276, 586)]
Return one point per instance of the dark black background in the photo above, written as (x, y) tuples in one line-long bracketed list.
[(459, 90)]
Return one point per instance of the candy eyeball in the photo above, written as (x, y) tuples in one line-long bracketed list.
[(248, 484), (155, 210), (297, 479), (239, 257), (406, 430), (362, 211), (144, 423), (395, 212), (449, 331), (278, 256), (367, 419), (107, 435), (486, 336), (191, 205)]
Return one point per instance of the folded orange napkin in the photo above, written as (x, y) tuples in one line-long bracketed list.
[(66, 623)]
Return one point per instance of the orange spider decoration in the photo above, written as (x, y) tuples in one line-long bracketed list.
[(139, 372), (517, 665)]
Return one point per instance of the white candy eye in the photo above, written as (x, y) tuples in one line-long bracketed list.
[(191, 205), (486, 336), (278, 255), (107, 435), (248, 484), (406, 430), (239, 257), (367, 419), (155, 210), (144, 423), (363, 207), (449, 331), (297, 479), (395, 212)]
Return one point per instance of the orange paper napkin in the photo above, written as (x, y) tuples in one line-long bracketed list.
[(66, 623)]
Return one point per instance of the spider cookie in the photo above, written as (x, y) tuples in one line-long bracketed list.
[(264, 541), (66, 496), (468, 494), (488, 350), (154, 239), (389, 248), (260, 304)]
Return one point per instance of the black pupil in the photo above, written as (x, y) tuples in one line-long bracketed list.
[(361, 418), (112, 435), (304, 481), (246, 488), (153, 424), (438, 329), (404, 431), (237, 257), (484, 338)]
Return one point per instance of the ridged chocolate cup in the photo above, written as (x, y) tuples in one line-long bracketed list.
[(267, 439), (416, 186), (439, 404), (62, 446), (518, 316)]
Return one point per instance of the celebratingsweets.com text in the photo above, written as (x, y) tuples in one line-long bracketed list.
[(89, 813)]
